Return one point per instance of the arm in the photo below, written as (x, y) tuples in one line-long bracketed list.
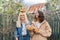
[(30, 29), (46, 32)]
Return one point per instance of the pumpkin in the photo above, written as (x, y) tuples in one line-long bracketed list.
[(36, 30), (30, 28)]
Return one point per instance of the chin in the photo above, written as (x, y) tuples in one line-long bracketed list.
[(23, 18)]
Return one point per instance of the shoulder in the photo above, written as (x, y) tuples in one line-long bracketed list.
[(44, 22)]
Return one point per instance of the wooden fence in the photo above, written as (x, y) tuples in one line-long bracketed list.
[(7, 25)]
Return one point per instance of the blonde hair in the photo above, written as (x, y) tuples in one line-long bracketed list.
[(19, 21)]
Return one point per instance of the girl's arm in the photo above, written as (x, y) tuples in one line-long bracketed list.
[(46, 32)]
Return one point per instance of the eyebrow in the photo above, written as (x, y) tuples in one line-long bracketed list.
[(24, 15)]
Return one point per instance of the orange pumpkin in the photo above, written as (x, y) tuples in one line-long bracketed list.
[(36, 30), (30, 28)]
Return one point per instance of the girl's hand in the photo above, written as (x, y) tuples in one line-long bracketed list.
[(29, 27), (36, 30)]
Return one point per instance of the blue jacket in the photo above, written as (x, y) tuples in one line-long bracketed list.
[(18, 33)]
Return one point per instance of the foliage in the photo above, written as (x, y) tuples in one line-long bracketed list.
[(0, 6), (10, 7), (54, 5)]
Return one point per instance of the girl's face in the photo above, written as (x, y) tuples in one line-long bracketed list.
[(36, 15), (22, 16)]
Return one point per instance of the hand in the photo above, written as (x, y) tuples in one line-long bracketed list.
[(16, 38), (36, 30), (30, 28)]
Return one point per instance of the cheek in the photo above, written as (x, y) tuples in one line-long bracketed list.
[(36, 14), (22, 17)]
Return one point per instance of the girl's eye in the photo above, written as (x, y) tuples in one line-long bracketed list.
[(21, 15)]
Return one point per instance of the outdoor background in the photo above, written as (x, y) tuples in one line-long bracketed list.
[(9, 11)]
